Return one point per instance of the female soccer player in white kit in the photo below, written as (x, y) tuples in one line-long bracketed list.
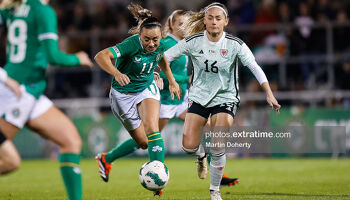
[(214, 89)]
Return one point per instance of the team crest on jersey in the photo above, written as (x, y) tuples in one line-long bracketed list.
[(159, 56), (137, 59), (223, 52)]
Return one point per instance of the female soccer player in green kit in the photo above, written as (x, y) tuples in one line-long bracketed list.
[(31, 45), (134, 95), (214, 88)]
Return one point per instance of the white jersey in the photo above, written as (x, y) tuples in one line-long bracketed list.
[(215, 67)]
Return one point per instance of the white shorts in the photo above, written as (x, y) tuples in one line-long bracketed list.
[(124, 105), (170, 111), (19, 111)]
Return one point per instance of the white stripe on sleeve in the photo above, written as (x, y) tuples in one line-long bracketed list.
[(45, 36)]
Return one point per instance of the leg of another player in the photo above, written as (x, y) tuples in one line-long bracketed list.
[(226, 180), (192, 134), (56, 126), (182, 116), (104, 160), (149, 112), (218, 158), (191, 141), (162, 123), (9, 157)]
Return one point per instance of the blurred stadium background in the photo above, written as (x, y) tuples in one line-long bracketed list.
[(302, 45)]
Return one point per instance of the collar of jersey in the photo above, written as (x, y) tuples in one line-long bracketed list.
[(141, 43), (172, 36), (214, 43)]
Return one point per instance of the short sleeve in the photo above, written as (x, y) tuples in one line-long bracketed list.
[(47, 26), (245, 55), (180, 49), (126, 47)]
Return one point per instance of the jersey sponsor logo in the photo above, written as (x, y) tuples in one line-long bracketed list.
[(157, 148), (16, 113), (159, 56), (201, 52), (137, 59), (223, 52)]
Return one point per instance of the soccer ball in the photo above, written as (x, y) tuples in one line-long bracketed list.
[(154, 175)]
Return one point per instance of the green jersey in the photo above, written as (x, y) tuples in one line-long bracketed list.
[(137, 64), (32, 44), (179, 70)]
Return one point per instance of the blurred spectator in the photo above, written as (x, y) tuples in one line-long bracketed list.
[(343, 76), (241, 11), (81, 19), (266, 14), (284, 13), (324, 7), (342, 32)]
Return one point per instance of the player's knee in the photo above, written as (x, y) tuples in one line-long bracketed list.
[(150, 126), (10, 164), (14, 163), (190, 151), (71, 144)]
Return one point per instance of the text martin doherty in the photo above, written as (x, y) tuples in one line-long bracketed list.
[(228, 144)]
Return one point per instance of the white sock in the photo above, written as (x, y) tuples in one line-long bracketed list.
[(216, 170)]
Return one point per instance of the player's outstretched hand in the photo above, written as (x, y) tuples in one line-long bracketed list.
[(14, 86), (174, 88), (122, 79), (271, 100), (159, 81), (84, 59)]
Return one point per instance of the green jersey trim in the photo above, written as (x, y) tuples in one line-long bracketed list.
[(46, 36)]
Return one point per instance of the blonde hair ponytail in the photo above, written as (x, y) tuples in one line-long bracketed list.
[(195, 22), (171, 20)]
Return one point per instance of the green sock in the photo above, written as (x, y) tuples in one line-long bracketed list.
[(155, 146), (209, 158), (71, 174), (125, 148)]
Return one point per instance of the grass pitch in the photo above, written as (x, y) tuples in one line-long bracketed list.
[(266, 179)]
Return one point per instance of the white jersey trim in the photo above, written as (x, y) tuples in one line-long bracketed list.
[(116, 50), (214, 43), (46, 36)]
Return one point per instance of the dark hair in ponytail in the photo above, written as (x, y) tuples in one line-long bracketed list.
[(143, 17)]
